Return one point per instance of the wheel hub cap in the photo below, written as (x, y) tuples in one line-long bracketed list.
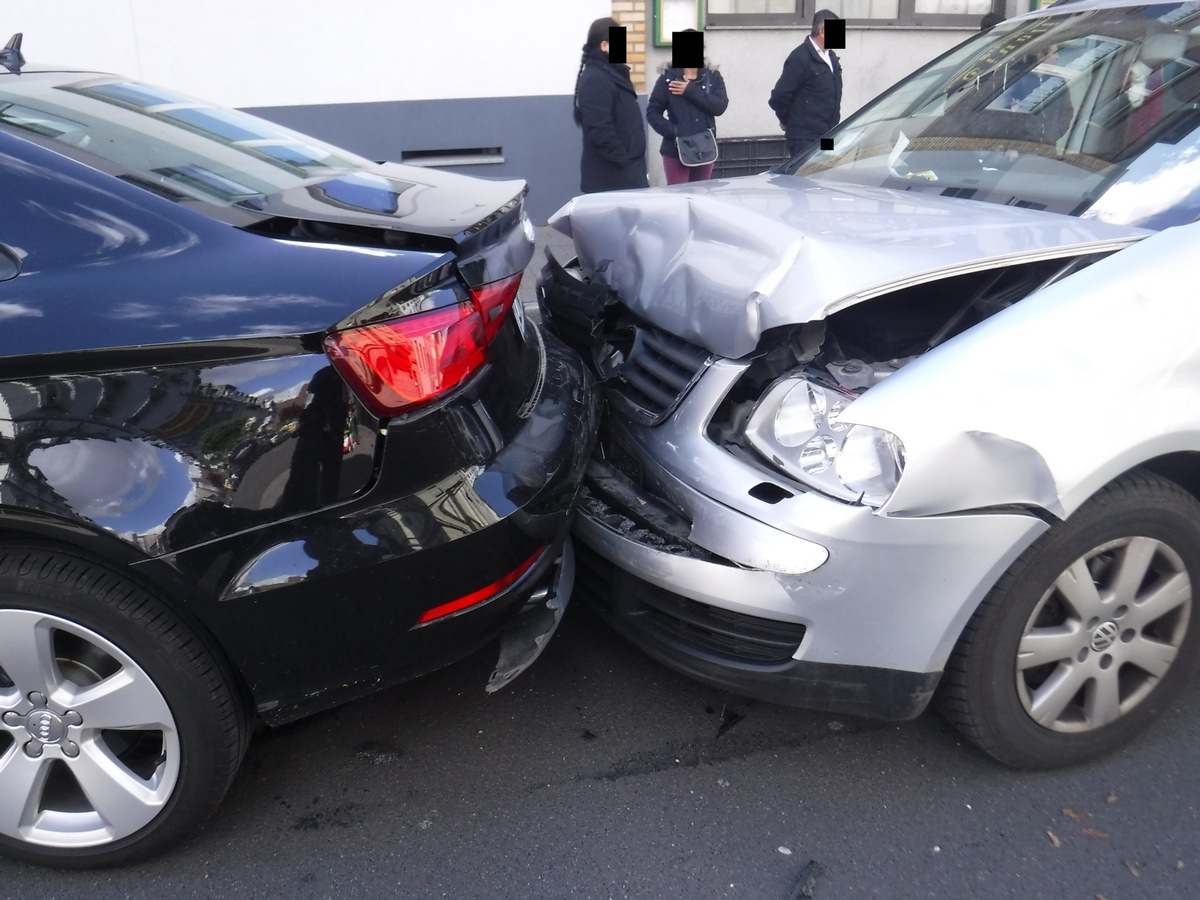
[(46, 728), (1104, 636)]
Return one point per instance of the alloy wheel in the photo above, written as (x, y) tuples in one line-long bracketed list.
[(89, 752), (1103, 635)]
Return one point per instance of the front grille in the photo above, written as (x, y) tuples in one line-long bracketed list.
[(573, 309), (657, 373), (668, 619), (648, 369)]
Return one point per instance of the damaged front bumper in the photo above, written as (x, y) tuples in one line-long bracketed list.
[(736, 577)]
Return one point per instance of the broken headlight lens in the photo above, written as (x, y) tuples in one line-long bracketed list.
[(800, 411), (870, 463), (798, 427)]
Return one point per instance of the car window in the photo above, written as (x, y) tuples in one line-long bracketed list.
[(165, 142), (1045, 112)]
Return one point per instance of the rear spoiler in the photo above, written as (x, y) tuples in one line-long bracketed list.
[(10, 56)]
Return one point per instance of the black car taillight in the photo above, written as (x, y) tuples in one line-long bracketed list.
[(399, 364), (494, 301)]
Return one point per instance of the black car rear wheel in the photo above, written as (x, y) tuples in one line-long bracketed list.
[(1088, 636), (119, 731)]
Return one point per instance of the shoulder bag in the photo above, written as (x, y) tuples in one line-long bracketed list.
[(697, 149)]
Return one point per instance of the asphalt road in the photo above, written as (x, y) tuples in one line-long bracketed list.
[(600, 774)]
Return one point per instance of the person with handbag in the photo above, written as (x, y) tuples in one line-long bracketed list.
[(683, 108), (606, 109)]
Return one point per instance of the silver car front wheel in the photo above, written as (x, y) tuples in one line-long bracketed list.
[(1088, 635), (1101, 639)]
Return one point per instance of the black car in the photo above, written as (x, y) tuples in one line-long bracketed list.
[(274, 433)]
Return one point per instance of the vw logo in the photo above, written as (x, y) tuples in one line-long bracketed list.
[(1105, 636)]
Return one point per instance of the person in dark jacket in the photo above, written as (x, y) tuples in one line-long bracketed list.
[(606, 108), (807, 99), (685, 101)]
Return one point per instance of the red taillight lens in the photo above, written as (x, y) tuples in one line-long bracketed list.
[(476, 597), (494, 301), (396, 365)]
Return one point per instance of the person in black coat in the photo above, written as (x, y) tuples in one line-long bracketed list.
[(807, 99), (606, 108), (685, 101)]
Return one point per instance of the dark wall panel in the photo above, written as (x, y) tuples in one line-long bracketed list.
[(537, 137)]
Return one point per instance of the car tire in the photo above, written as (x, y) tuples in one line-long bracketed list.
[(1088, 635), (120, 731)]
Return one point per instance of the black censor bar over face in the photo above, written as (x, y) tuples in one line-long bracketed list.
[(835, 34), (616, 44), (687, 49)]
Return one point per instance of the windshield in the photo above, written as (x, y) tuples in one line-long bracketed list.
[(1077, 113), (167, 143)]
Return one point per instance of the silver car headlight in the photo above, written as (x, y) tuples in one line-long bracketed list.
[(870, 463), (798, 427)]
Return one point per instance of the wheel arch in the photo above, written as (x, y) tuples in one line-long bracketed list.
[(1176, 500), (1181, 468), (34, 529)]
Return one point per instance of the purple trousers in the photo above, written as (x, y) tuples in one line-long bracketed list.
[(678, 173)]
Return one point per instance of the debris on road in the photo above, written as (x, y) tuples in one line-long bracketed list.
[(806, 883), (729, 718)]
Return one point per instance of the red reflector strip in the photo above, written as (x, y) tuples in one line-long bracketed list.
[(476, 597)]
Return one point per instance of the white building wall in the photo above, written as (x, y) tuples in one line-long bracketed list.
[(751, 60), (263, 53), (384, 77)]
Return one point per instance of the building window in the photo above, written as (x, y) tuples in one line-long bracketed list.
[(752, 7), (953, 7), (865, 9), (856, 12)]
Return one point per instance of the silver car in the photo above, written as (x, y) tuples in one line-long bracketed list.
[(917, 415)]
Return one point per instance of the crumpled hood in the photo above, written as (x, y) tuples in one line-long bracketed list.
[(720, 262)]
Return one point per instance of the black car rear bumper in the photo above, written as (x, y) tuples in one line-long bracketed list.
[(402, 555)]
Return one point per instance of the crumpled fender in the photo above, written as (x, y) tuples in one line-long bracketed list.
[(1049, 400)]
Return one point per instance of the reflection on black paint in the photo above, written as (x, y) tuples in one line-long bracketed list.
[(317, 457), (368, 193), (171, 457)]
